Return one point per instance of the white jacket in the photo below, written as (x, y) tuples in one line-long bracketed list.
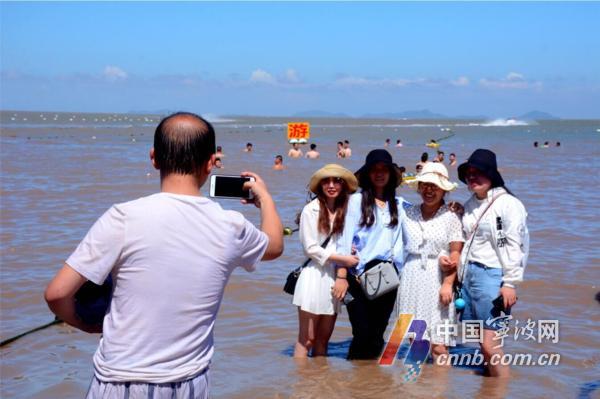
[(509, 236), (310, 236)]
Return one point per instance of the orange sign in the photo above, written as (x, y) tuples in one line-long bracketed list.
[(298, 130)]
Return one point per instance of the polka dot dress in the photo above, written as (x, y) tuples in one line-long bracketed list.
[(421, 276)]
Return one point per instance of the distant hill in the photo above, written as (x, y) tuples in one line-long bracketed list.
[(321, 114), (414, 114), (537, 115)]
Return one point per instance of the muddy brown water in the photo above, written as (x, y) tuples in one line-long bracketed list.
[(59, 175)]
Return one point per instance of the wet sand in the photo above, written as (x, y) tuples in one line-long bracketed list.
[(57, 178)]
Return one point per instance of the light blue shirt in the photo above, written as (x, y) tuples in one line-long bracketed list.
[(376, 242)]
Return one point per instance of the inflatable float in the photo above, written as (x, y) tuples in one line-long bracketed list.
[(298, 141)]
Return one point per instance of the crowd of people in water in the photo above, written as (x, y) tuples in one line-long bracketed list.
[(343, 151), (170, 256)]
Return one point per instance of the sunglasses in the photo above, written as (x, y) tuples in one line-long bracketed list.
[(334, 180)]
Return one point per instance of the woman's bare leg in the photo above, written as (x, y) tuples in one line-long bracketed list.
[(436, 351), (306, 334), (324, 330), (487, 348)]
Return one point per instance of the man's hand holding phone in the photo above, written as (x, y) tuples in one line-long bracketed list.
[(270, 222), (257, 187)]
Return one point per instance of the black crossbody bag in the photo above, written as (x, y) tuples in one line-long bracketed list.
[(292, 278)]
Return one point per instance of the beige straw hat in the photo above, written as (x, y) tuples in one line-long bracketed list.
[(436, 173), (333, 170)]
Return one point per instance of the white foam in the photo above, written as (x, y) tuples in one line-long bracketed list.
[(216, 119), (505, 122)]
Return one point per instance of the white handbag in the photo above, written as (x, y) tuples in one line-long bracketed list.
[(379, 279)]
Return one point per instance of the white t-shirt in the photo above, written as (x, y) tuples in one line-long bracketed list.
[(482, 249), (170, 256)]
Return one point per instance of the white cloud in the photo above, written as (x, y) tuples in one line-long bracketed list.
[(354, 81), (291, 76), (114, 73), (262, 76), (513, 80), (460, 81), (514, 76)]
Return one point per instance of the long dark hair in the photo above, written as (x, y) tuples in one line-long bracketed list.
[(367, 206), (495, 185), (341, 206), (508, 191)]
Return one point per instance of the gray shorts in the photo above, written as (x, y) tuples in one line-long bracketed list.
[(194, 388)]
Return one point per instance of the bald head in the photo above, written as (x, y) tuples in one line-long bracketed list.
[(183, 142)]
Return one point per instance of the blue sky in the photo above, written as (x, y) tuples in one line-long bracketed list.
[(495, 59)]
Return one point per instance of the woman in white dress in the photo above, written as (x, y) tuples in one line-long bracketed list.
[(318, 292), (432, 232)]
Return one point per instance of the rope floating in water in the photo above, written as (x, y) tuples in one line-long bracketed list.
[(8, 341)]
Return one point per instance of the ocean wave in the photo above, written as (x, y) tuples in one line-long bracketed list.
[(68, 126), (317, 125), (217, 119), (502, 122)]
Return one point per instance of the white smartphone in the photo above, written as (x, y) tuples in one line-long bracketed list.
[(229, 186)]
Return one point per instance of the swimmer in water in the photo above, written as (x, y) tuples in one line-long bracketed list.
[(347, 149), (278, 163), (452, 159), (295, 151), (341, 153), (313, 153)]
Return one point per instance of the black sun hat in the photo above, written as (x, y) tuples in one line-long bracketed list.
[(485, 161), (377, 156)]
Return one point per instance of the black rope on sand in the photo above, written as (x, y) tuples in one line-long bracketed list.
[(52, 323)]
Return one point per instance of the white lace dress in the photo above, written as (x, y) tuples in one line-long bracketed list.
[(313, 289), (421, 277)]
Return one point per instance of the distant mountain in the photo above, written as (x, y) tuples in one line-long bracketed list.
[(321, 114), (415, 114), (537, 115)]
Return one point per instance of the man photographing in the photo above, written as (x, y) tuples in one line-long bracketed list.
[(170, 256)]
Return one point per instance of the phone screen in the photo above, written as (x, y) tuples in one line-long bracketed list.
[(230, 186)]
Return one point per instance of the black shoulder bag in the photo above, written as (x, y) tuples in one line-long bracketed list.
[(292, 278)]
